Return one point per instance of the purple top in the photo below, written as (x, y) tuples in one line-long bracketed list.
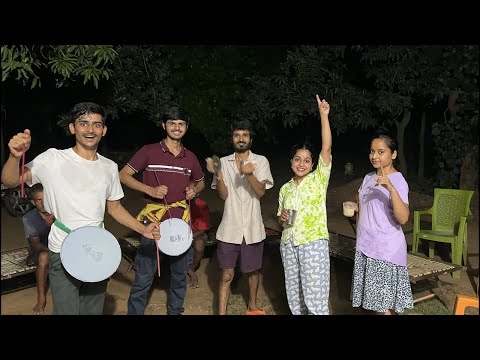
[(379, 234)]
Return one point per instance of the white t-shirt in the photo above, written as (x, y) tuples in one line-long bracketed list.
[(75, 190)]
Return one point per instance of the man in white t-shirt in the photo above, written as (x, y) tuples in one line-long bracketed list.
[(77, 183)]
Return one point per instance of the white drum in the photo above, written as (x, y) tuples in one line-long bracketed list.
[(175, 237), (90, 254)]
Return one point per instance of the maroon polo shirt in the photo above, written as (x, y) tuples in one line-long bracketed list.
[(161, 167)]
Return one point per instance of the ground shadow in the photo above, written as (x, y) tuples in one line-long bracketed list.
[(212, 274), (340, 289), (273, 279), (110, 304)]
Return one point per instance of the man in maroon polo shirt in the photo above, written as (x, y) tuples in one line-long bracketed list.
[(167, 169)]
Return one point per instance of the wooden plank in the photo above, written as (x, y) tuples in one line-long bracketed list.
[(419, 266), (13, 263)]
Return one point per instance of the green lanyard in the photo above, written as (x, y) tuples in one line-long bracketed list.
[(64, 227)]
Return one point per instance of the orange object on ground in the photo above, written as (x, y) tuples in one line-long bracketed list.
[(464, 301), (256, 312)]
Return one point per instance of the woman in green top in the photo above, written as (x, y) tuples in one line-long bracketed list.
[(304, 247)]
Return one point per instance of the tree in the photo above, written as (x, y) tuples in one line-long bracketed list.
[(456, 135), (139, 82), (210, 82), (289, 95), (396, 73), (67, 63)]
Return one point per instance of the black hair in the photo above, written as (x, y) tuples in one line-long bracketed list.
[(305, 146), (243, 125), (34, 189), (87, 108), (175, 113), (387, 137)]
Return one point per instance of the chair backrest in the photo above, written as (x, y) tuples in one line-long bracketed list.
[(448, 206)]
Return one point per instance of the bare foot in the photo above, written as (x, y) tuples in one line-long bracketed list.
[(39, 309), (193, 283)]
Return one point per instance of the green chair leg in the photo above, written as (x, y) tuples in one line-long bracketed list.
[(431, 249), (465, 250), (456, 259), (415, 244)]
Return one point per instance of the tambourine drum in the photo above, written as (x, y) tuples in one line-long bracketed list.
[(90, 254), (175, 237)]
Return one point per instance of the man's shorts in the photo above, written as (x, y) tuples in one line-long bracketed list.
[(249, 256)]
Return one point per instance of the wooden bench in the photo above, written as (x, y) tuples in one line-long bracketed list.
[(129, 245), (419, 267), (14, 269)]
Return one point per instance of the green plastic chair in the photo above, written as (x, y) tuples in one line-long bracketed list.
[(450, 210)]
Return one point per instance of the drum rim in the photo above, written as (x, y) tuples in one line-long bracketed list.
[(159, 242), (68, 267)]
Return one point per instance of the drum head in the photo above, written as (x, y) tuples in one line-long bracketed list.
[(175, 237), (90, 254)]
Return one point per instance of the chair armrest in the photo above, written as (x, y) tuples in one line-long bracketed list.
[(462, 226), (417, 214), (423, 212)]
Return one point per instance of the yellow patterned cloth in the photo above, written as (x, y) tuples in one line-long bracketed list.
[(309, 199), (155, 212)]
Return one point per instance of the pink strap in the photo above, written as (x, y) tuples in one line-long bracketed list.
[(22, 192)]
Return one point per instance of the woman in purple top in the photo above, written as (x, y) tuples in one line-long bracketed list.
[(380, 278)]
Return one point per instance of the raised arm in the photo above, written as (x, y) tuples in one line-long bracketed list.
[(324, 109), (401, 211), (221, 187), (11, 170), (259, 187)]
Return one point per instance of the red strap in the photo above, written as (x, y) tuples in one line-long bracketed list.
[(158, 257)]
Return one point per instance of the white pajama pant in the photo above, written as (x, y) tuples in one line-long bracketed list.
[(307, 276)]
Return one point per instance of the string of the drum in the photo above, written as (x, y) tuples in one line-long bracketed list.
[(170, 216), (22, 193)]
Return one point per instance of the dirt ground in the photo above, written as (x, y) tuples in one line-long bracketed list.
[(203, 300)]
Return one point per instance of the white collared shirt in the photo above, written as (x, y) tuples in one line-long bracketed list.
[(242, 216)]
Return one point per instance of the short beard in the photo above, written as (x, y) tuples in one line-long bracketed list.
[(242, 150)]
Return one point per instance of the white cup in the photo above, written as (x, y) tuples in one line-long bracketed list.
[(349, 208)]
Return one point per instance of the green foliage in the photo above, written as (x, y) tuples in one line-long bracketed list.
[(20, 61), (395, 72), (210, 82), (66, 62), (457, 135), (140, 82), (289, 96)]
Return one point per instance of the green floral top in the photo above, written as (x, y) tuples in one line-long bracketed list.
[(309, 199)]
